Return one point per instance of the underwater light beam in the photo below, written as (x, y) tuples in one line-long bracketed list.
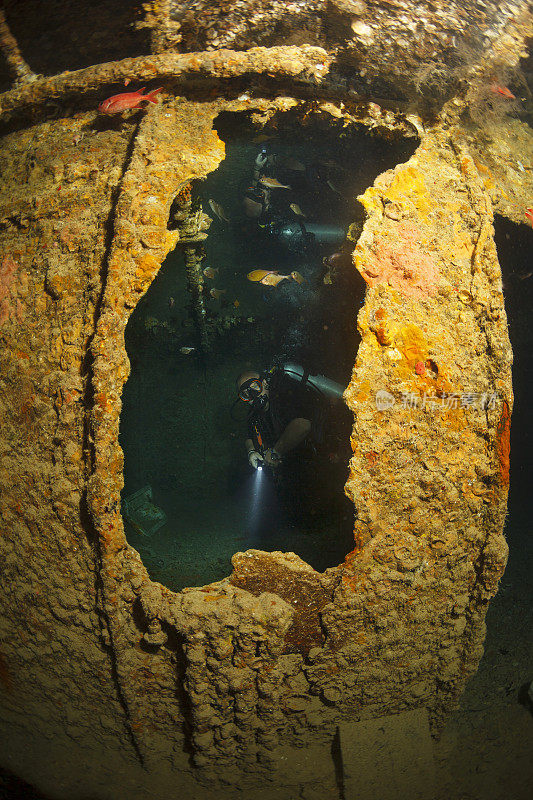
[(257, 487), (263, 509)]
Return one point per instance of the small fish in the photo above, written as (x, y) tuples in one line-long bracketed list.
[(258, 274), (121, 102), (529, 214), (216, 294), (252, 209), (218, 210), (171, 302), (262, 138), (272, 183), (236, 303), (267, 277), (210, 272), (336, 259), (273, 278), (297, 210), (260, 190), (293, 164), (333, 187), (503, 91), (185, 351), (329, 163), (296, 276), (524, 276)]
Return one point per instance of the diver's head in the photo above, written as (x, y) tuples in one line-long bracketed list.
[(253, 389)]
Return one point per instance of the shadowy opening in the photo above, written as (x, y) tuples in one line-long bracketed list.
[(64, 35), (514, 245), (497, 689), (268, 285)]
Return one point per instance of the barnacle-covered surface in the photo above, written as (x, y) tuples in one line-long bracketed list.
[(197, 72), (56, 205), (424, 393), (503, 157), (245, 680), (403, 51), (393, 50)]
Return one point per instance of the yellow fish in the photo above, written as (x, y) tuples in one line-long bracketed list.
[(296, 276), (258, 274), (236, 303), (272, 183), (297, 210), (216, 294), (266, 277), (187, 350), (209, 272), (273, 278)]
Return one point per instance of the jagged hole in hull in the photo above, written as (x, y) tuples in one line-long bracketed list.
[(190, 499)]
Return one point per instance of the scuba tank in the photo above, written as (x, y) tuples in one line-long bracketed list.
[(325, 386)]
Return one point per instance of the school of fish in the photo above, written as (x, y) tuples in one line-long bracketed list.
[(272, 277), (253, 208)]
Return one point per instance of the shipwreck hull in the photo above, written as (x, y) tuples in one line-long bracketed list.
[(241, 683)]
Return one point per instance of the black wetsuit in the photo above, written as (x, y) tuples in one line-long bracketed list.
[(311, 477), (288, 399)]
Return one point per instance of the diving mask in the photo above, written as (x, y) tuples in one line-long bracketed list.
[(250, 390)]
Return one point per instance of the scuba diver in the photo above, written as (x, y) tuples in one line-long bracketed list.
[(298, 444), (275, 218), (256, 199), (287, 408), (262, 161)]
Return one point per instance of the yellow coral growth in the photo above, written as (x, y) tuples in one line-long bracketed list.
[(371, 199), (147, 267), (412, 343), (406, 189)]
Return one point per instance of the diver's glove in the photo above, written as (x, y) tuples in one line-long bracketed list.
[(272, 458), (261, 159), (255, 459)]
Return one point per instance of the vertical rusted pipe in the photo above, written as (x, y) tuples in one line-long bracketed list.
[(195, 285), (8, 44)]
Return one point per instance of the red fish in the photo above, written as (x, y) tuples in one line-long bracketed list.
[(529, 214), (121, 102), (503, 90)]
